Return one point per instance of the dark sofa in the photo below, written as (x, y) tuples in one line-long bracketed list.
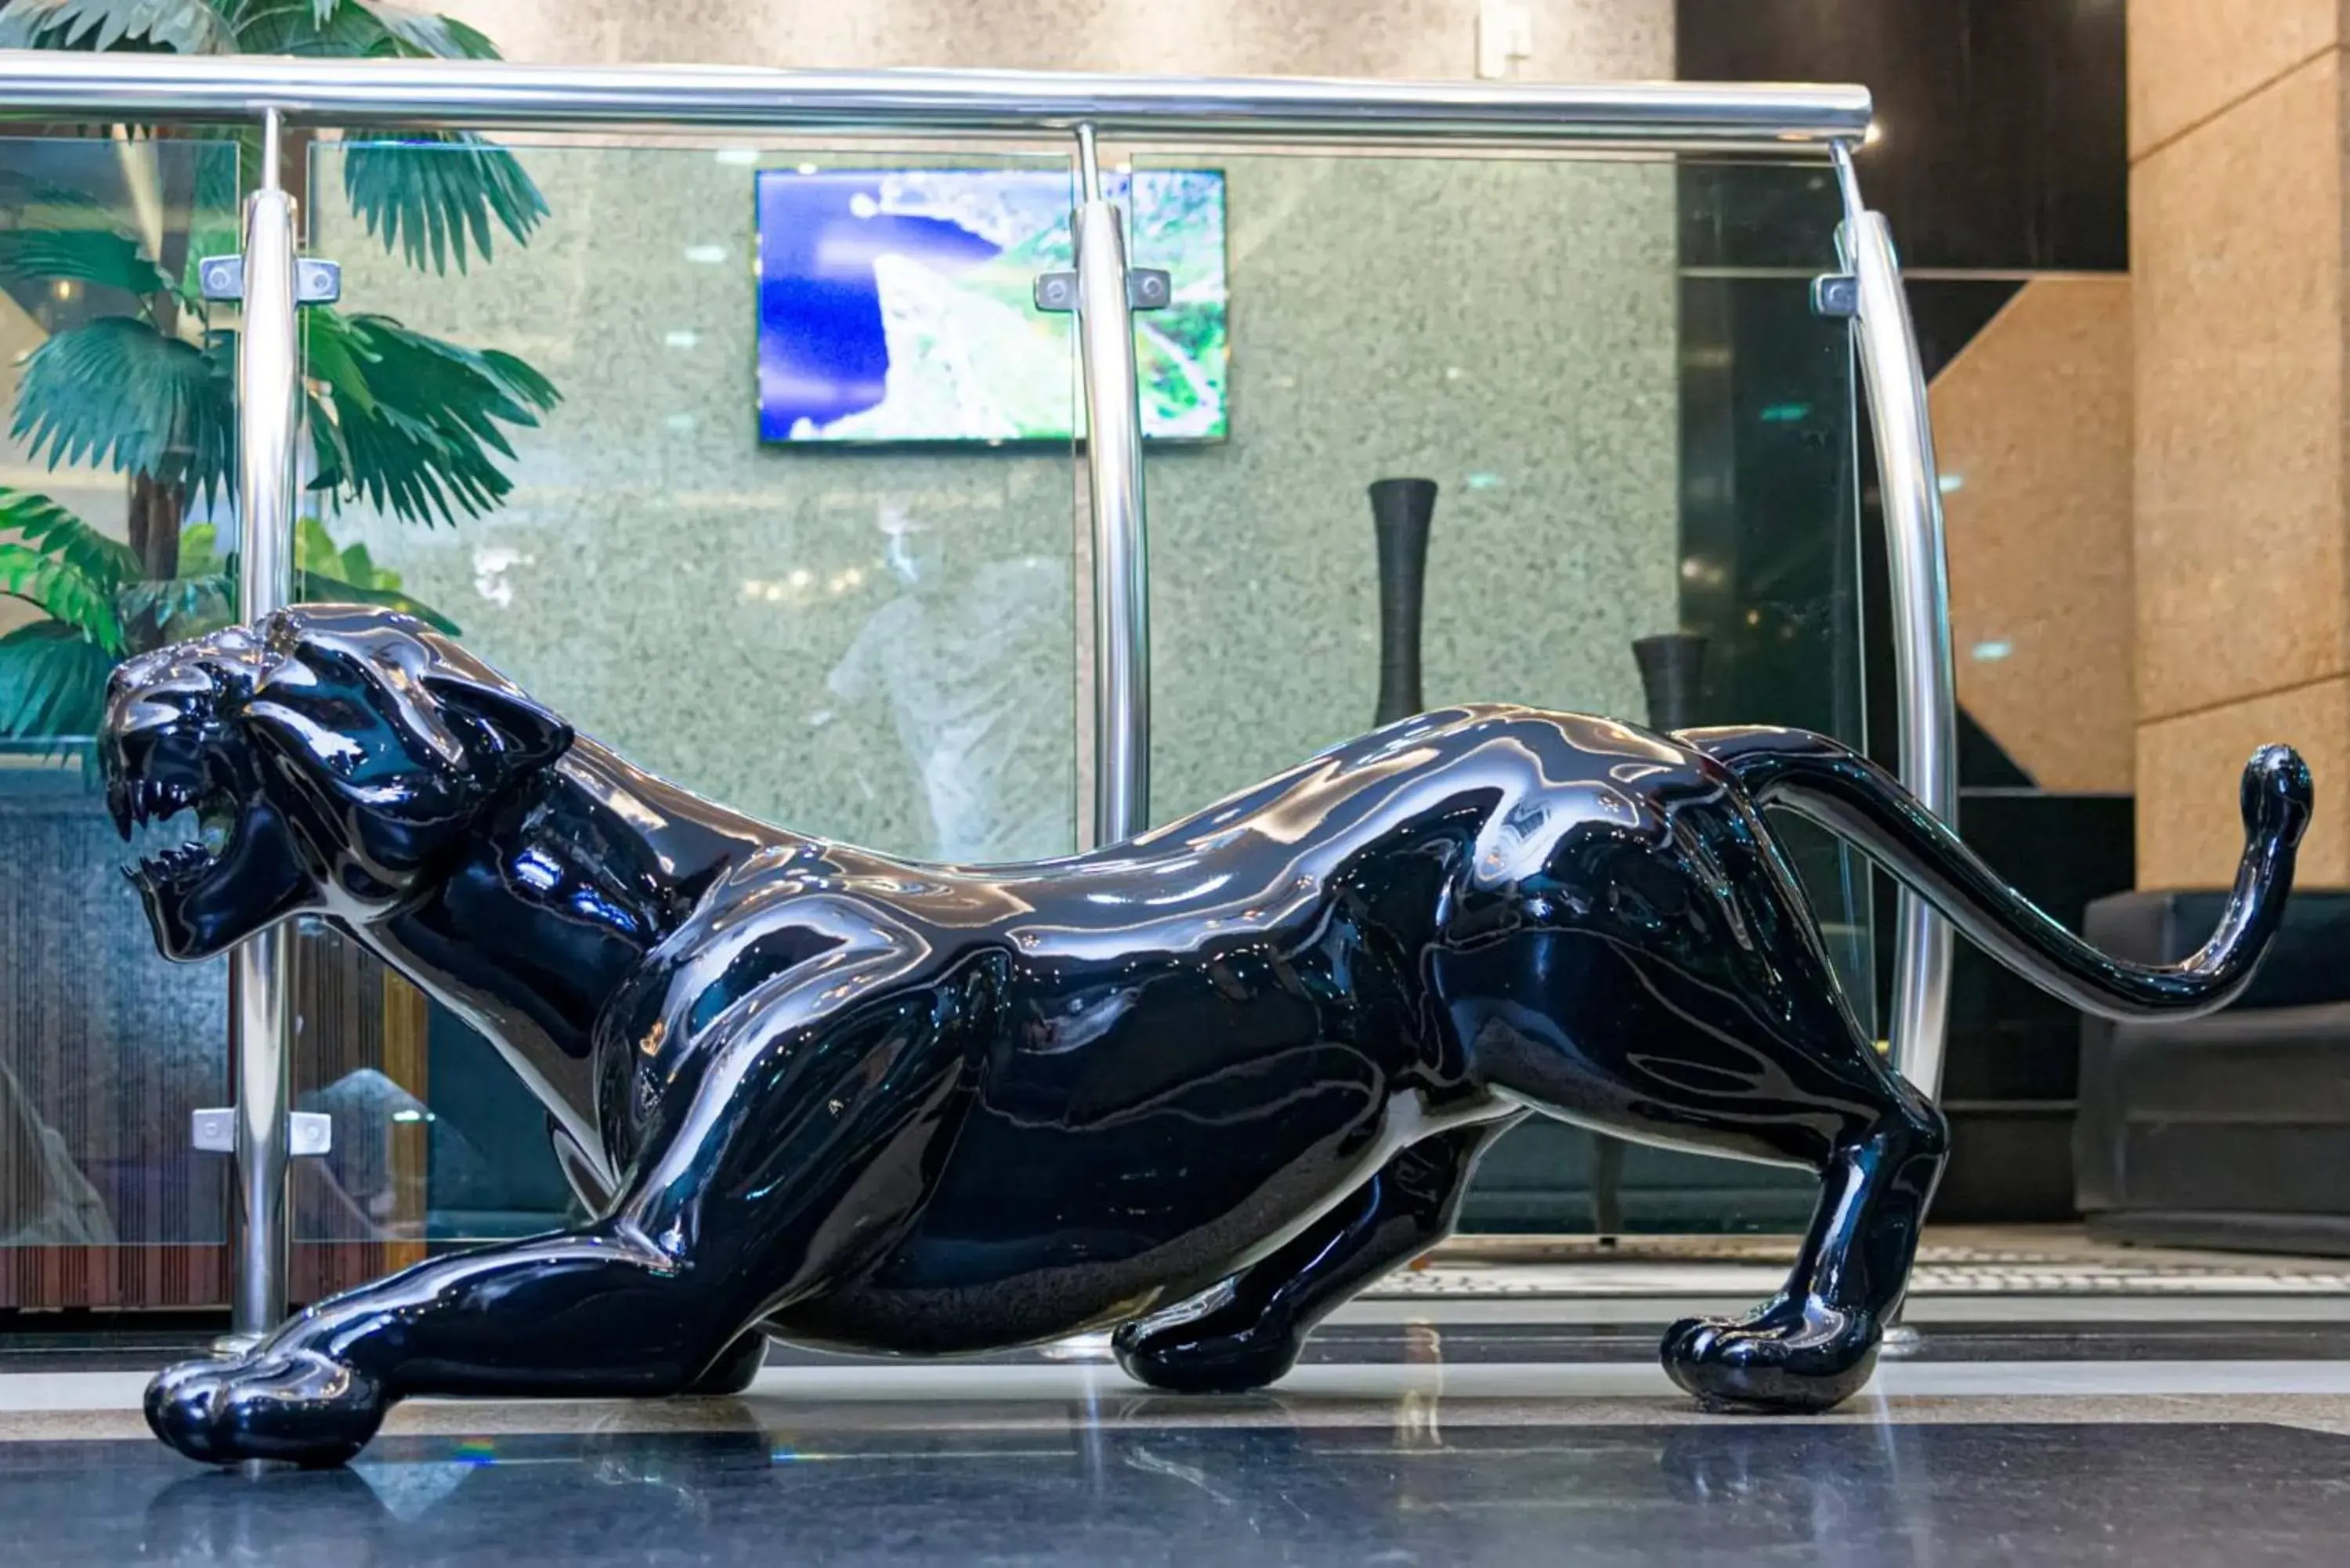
[(2230, 1131)]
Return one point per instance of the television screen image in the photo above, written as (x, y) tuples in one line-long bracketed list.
[(899, 304)]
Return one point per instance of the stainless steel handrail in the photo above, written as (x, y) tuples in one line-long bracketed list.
[(476, 93), (1796, 121)]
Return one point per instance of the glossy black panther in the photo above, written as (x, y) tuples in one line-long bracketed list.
[(1198, 1087)]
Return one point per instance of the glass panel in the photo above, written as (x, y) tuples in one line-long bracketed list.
[(119, 388), (794, 531), (1771, 568), (1630, 439)]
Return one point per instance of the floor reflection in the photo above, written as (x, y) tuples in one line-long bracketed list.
[(1151, 1483)]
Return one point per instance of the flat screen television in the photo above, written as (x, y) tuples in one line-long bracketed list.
[(899, 304)]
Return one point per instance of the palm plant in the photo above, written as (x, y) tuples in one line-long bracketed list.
[(408, 423)]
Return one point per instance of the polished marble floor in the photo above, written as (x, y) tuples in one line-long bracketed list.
[(2139, 1438), (1162, 1488)]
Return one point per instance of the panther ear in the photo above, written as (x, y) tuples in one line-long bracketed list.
[(525, 735)]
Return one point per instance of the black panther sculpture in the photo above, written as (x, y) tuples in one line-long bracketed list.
[(1198, 1087)]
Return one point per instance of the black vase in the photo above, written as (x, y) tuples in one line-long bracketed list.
[(1672, 669), (1401, 511)]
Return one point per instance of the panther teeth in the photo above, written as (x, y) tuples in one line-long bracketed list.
[(135, 803), (173, 865), (143, 810)]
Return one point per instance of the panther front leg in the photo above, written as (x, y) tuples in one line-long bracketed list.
[(590, 1314), (803, 1150), (1247, 1332)]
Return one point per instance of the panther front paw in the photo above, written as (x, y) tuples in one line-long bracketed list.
[(1791, 1358), (297, 1406), (1192, 1358)]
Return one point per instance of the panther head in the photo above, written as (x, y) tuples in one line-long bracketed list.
[(330, 758)]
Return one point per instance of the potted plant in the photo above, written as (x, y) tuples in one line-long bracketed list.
[(110, 1047), (411, 424)]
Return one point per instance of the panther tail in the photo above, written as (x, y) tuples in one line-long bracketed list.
[(1858, 801)]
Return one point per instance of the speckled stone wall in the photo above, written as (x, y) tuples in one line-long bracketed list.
[(1573, 39), (1506, 329), (728, 614), (722, 612)]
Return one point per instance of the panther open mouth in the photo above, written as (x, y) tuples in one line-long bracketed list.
[(177, 833)]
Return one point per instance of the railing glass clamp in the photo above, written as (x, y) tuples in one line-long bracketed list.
[(308, 1133), (1147, 288), (315, 282)]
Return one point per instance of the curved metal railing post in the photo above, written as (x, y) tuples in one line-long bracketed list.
[(1121, 639), (268, 397), (1927, 699)]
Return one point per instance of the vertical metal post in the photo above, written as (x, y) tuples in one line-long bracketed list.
[(1926, 696), (1114, 469), (268, 395)]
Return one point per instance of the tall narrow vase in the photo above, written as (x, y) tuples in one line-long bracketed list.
[(1401, 511), (1672, 672)]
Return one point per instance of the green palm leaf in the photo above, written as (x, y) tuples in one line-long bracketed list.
[(200, 551), (410, 423), (114, 391), (52, 682), (89, 256), (63, 564), (315, 551), (323, 574), (405, 31), (165, 609), (44, 525), (33, 202), (213, 208), (65, 594), (185, 26), (425, 195)]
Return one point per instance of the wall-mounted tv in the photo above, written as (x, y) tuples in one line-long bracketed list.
[(899, 304)]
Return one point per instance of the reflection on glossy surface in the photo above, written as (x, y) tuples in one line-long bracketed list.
[(1143, 1484), (950, 657), (1200, 1086)]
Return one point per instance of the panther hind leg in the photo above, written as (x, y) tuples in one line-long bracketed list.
[(734, 1371), (1709, 1019), (1248, 1332), (1813, 1346)]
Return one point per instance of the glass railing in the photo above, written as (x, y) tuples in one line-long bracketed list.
[(853, 588), (120, 421), (1624, 447), (868, 632), (831, 599)]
